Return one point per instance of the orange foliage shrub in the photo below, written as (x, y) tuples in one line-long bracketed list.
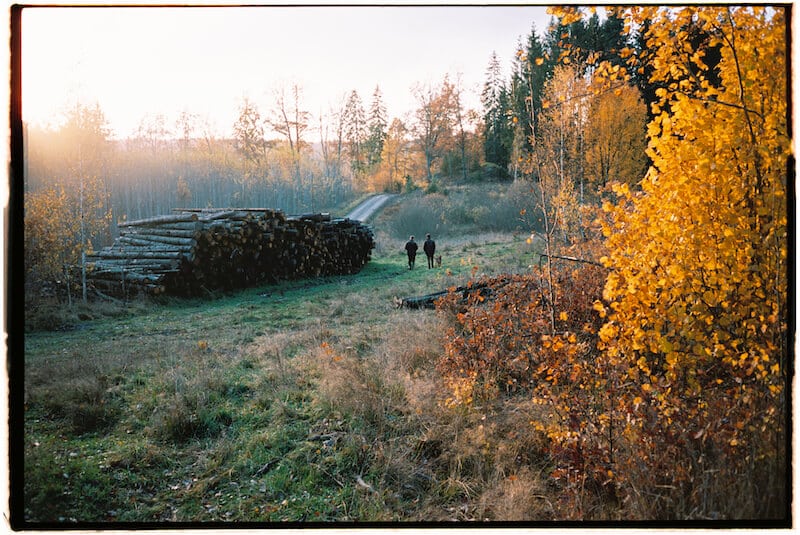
[(501, 342)]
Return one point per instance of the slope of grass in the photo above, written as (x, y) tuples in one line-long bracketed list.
[(303, 401)]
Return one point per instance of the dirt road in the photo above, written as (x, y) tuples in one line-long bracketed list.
[(366, 209)]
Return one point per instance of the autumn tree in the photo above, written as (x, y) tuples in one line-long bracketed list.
[(573, 43), (434, 121), (399, 160), (696, 302), (615, 138), (559, 150), (51, 239), (69, 214), (88, 129)]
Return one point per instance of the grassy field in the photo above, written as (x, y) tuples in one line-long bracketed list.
[(304, 401)]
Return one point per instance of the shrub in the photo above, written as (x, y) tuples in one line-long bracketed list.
[(607, 441), (500, 344), (492, 171), (419, 215)]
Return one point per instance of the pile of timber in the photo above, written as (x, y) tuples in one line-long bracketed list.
[(194, 251)]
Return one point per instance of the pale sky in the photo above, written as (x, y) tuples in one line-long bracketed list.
[(138, 62)]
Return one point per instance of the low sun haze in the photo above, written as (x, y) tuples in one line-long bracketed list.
[(148, 61)]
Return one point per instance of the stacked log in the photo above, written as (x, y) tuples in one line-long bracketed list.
[(193, 251)]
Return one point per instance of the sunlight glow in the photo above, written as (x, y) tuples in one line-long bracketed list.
[(138, 62)]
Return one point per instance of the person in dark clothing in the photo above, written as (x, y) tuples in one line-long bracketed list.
[(429, 247), (411, 249)]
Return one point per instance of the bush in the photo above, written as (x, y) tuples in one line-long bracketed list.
[(607, 441), (492, 171), (497, 345), (419, 215)]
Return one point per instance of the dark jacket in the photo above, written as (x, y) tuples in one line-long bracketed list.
[(429, 247), (411, 247)]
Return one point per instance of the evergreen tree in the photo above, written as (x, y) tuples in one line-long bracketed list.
[(494, 100), (249, 141), (613, 39), (533, 67), (587, 42), (376, 128), (355, 133)]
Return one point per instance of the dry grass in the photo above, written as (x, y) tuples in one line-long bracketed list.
[(463, 463), (523, 496)]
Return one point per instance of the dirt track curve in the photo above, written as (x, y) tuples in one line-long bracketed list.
[(367, 209)]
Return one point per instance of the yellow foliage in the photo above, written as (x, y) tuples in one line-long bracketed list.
[(699, 256), (615, 138), (54, 240)]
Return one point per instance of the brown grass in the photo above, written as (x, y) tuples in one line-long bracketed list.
[(439, 458), (518, 497)]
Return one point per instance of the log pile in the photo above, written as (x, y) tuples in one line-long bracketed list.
[(193, 251)]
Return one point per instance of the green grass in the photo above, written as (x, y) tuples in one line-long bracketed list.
[(301, 401)]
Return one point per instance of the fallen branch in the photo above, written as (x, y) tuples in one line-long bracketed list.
[(422, 301), (484, 289), (266, 468), (568, 258)]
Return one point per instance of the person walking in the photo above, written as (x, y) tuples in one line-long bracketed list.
[(411, 249), (430, 248)]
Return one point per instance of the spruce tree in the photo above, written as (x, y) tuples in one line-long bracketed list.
[(376, 129), (495, 124), (355, 132)]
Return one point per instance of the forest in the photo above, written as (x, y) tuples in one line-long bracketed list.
[(623, 198)]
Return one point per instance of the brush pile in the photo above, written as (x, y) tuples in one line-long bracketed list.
[(194, 251)]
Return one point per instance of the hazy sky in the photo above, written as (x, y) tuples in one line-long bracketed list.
[(137, 62)]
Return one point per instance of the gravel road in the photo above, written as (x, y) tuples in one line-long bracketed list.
[(366, 209)]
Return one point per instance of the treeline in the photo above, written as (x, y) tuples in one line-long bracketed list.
[(80, 181), (282, 157), (550, 123), (516, 109), (153, 172), (572, 118)]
